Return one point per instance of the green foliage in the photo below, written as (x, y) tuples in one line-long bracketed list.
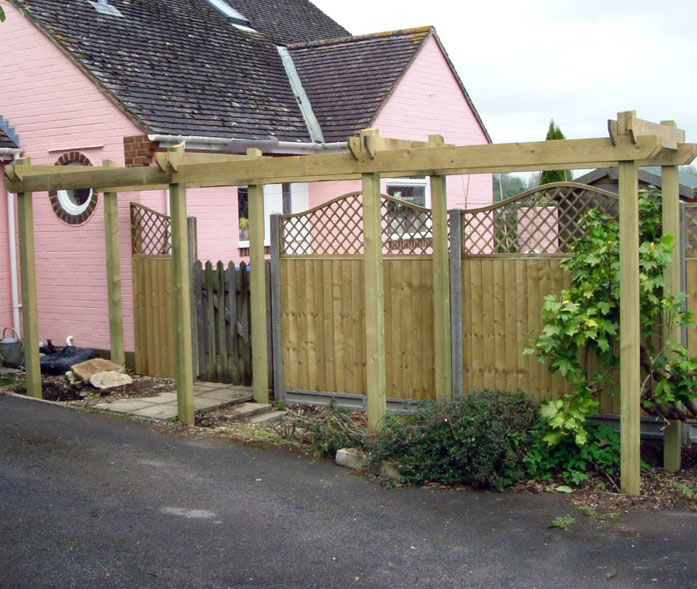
[(572, 461), (584, 322), (2, 15), (563, 522), (479, 440), (554, 134), (685, 490), (507, 186)]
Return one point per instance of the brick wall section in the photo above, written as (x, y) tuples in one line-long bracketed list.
[(138, 150), (56, 109)]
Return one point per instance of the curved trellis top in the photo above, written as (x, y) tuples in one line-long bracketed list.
[(151, 232), (542, 220), (335, 228)]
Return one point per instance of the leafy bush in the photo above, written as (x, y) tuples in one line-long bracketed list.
[(479, 440), (571, 461), (584, 321)]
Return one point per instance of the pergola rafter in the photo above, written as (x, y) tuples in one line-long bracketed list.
[(632, 143)]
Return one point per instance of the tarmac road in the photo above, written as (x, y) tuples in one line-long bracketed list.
[(98, 501)]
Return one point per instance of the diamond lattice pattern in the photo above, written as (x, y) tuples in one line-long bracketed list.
[(336, 229), (545, 220), (150, 232)]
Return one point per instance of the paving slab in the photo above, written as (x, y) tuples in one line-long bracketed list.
[(201, 386), (163, 398), (161, 411), (204, 403), (227, 394), (125, 405)]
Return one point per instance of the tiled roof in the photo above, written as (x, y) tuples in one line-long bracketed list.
[(6, 142), (347, 80), (289, 22), (178, 67)]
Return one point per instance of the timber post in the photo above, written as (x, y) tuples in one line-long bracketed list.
[(630, 382), (672, 435), (27, 260), (374, 293), (441, 286), (260, 353), (279, 391), (113, 272), (456, 306), (182, 298)]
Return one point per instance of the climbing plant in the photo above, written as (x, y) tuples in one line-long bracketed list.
[(583, 322)]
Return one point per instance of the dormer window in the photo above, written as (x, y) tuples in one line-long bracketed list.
[(236, 18)]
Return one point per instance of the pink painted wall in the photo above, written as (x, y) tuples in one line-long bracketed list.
[(428, 100), (55, 109), (5, 289)]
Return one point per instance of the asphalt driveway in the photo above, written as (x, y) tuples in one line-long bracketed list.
[(100, 501)]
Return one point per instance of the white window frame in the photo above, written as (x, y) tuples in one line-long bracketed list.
[(412, 182)]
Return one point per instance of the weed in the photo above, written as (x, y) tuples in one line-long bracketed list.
[(685, 490), (562, 522)]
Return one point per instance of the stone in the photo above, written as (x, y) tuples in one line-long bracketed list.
[(389, 470), (85, 370), (109, 380), (351, 458)]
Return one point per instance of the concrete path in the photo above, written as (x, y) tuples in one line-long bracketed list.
[(92, 500), (207, 395)]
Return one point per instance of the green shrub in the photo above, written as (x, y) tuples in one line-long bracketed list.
[(478, 440), (572, 462)]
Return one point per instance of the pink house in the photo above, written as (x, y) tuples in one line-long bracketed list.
[(88, 81)]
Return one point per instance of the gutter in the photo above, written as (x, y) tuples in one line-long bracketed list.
[(236, 145), (9, 153)]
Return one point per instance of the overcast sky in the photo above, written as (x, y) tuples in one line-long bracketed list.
[(577, 62)]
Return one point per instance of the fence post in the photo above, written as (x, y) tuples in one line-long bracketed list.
[(279, 391), (113, 272), (182, 303), (672, 442), (27, 260), (374, 294), (629, 329), (441, 289), (456, 308), (192, 232), (260, 354)]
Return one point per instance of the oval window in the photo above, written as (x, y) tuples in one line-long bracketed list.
[(73, 206)]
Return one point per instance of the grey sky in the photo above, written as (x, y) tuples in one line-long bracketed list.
[(577, 62)]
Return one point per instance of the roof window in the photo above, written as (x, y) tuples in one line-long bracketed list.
[(236, 18), (103, 7)]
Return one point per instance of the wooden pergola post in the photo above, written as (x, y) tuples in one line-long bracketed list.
[(376, 379), (260, 353), (27, 260), (672, 435), (113, 271), (182, 303), (630, 382), (441, 289)]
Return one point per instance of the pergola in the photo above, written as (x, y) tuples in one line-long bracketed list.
[(631, 143)]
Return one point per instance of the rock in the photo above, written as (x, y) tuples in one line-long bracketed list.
[(109, 379), (389, 470), (351, 458), (85, 370), (72, 378)]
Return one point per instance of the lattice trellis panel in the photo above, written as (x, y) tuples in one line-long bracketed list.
[(336, 229), (151, 232), (544, 220), (691, 230), (406, 228)]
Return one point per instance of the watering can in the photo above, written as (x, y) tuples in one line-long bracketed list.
[(11, 349)]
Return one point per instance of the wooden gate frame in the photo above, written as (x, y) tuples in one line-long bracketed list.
[(632, 143)]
